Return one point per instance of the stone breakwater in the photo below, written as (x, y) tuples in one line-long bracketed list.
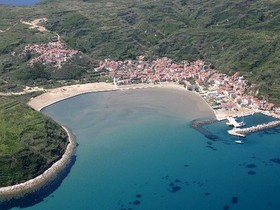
[(244, 131), (19, 190)]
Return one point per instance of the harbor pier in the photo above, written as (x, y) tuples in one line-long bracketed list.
[(243, 131)]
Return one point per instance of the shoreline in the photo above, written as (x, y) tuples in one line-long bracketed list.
[(52, 96), (20, 190)]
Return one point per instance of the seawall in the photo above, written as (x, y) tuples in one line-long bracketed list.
[(19, 190)]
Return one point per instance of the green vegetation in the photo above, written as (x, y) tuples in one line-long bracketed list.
[(234, 35), (29, 142)]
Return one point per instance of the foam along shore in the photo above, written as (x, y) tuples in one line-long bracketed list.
[(19, 190)]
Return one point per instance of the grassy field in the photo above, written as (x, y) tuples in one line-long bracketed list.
[(29, 142)]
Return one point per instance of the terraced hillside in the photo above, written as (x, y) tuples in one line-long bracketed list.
[(29, 142), (233, 35)]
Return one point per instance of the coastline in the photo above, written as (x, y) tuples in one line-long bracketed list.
[(19, 190), (52, 96)]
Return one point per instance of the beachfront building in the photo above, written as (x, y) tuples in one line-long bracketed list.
[(223, 91)]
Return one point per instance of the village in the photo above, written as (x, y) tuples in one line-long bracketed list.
[(54, 53), (227, 95), (221, 91)]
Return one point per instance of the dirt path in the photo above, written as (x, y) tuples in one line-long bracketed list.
[(7, 29), (35, 24)]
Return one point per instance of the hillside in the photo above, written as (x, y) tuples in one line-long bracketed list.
[(233, 35), (29, 142)]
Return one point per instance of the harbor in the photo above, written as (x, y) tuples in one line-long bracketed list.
[(243, 131)]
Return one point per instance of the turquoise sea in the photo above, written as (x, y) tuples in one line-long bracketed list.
[(137, 151)]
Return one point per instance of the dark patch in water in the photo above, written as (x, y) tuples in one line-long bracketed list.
[(207, 193), (198, 125), (212, 137), (226, 207), (136, 202), (251, 166), (177, 180), (209, 142), (253, 157), (211, 147), (38, 196), (275, 160), (234, 199), (166, 177), (186, 165), (251, 172), (199, 184), (138, 196), (171, 184), (175, 188)]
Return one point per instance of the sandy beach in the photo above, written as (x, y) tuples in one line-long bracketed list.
[(55, 95), (52, 96)]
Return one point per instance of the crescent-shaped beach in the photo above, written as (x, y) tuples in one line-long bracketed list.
[(55, 95)]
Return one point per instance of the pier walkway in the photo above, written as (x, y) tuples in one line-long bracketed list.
[(232, 121), (243, 131)]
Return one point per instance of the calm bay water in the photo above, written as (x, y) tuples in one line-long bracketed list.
[(137, 151), (20, 2)]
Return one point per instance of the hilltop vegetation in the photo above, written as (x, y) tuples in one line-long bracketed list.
[(233, 35), (29, 142)]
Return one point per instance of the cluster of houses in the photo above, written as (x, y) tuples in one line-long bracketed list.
[(221, 91), (53, 53), (142, 71)]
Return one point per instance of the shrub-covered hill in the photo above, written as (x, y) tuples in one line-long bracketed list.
[(29, 142), (232, 34)]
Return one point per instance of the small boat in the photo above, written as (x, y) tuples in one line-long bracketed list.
[(242, 123), (239, 142)]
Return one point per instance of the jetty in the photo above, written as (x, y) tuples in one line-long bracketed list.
[(233, 122), (243, 131)]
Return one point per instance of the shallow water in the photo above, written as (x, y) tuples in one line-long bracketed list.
[(137, 151)]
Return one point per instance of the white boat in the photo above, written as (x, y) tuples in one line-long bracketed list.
[(239, 142), (242, 123)]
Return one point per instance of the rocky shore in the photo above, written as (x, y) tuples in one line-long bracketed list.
[(19, 190)]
